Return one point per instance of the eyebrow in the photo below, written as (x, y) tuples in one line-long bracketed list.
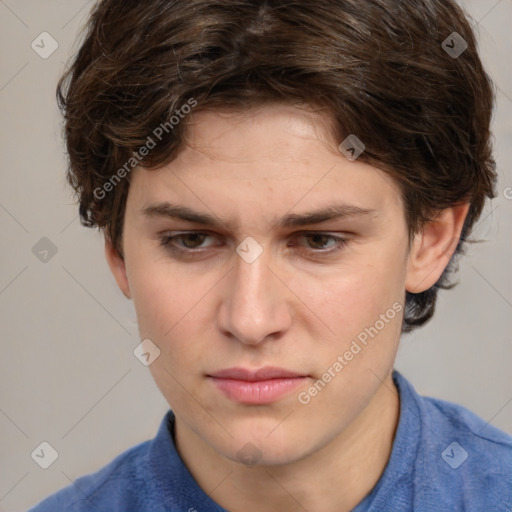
[(330, 212)]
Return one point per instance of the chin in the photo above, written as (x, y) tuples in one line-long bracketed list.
[(260, 454), (255, 449)]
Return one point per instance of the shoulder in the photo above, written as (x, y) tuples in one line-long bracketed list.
[(122, 482), (483, 441), (462, 458)]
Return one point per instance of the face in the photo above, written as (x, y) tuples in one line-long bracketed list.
[(261, 289)]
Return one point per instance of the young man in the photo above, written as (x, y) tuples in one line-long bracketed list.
[(283, 187)]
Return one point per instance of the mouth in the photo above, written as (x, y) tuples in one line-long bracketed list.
[(258, 387)]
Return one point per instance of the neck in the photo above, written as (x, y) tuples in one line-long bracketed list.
[(333, 479)]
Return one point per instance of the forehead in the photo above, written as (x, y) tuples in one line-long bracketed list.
[(260, 132), (279, 156)]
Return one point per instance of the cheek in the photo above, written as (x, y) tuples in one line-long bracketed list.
[(161, 293), (152, 297), (353, 299), (365, 311), (171, 308), (167, 313)]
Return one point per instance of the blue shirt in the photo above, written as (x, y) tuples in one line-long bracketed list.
[(444, 458)]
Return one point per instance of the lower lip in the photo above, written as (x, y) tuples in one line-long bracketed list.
[(257, 392)]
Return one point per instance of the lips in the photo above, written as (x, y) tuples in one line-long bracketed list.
[(270, 372), (256, 387)]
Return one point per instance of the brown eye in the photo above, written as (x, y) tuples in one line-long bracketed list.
[(318, 241), (184, 241)]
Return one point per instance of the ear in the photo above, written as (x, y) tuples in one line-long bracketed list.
[(117, 267), (433, 248)]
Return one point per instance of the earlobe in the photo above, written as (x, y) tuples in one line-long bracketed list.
[(433, 248), (117, 267)]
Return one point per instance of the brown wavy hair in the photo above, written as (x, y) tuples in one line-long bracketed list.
[(378, 67)]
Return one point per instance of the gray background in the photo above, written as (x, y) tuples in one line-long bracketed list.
[(67, 372)]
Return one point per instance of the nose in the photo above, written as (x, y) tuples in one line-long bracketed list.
[(255, 305)]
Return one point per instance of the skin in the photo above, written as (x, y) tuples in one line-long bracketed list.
[(292, 307)]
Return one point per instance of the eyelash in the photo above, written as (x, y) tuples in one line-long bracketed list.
[(167, 240)]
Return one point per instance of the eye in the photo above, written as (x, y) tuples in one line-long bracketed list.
[(190, 244), (192, 241), (321, 239)]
